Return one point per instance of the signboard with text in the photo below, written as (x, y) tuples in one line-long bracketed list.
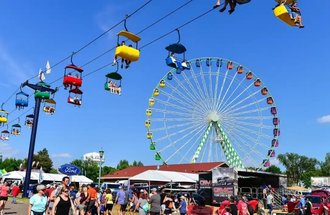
[(69, 169), (224, 184)]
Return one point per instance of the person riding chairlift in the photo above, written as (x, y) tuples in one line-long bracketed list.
[(296, 14), (127, 62)]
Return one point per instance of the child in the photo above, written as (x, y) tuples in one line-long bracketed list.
[(296, 15)]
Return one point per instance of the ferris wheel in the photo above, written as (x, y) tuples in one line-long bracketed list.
[(216, 110)]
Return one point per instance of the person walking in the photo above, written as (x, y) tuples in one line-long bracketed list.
[(14, 193), (154, 202), (63, 203), (308, 207), (4, 190), (38, 202), (269, 201), (122, 200), (232, 205), (183, 205), (142, 204), (109, 202)]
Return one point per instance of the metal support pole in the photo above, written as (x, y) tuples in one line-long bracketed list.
[(31, 148), (100, 172)]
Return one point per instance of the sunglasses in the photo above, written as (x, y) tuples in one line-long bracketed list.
[(65, 191)]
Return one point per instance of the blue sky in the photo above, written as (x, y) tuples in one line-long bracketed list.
[(293, 62)]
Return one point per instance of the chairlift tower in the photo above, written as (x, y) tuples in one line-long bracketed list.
[(42, 91)]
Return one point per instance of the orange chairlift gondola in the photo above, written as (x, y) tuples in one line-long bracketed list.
[(29, 120), (264, 91), (172, 60), (230, 65), (22, 100), (126, 52), (75, 96), (72, 75), (249, 75), (240, 69), (3, 116), (113, 82)]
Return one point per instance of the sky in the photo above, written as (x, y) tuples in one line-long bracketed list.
[(292, 62)]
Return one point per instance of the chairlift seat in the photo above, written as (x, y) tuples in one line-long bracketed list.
[(3, 119), (69, 80), (171, 62), (127, 53), (282, 13), (176, 48), (74, 101), (21, 103)]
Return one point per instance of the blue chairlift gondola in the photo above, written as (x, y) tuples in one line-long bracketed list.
[(22, 100)]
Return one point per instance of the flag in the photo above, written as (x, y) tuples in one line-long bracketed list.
[(41, 176), (48, 68)]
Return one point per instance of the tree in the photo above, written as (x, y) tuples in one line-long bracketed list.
[(273, 169), (10, 164), (137, 163), (88, 167), (296, 165), (123, 164), (108, 170), (44, 160), (325, 166)]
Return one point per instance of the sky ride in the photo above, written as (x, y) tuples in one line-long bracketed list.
[(218, 110)]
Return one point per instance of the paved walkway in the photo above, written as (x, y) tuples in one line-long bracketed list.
[(19, 208)]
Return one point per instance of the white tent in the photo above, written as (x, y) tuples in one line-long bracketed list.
[(20, 175), (165, 176)]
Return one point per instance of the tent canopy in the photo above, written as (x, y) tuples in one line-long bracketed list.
[(165, 176), (19, 175)]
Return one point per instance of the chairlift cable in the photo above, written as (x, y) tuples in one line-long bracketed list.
[(86, 45)]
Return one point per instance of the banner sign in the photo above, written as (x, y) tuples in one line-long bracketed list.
[(224, 181), (69, 169)]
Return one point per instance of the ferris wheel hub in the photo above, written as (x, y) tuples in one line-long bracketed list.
[(213, 116)]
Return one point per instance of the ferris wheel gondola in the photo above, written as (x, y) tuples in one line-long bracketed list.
[(213, 113)]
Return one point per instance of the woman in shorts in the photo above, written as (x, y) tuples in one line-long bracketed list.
[(4, 190), (109, 202)]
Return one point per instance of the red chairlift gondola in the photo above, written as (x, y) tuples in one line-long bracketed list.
[(273, 110), (75, 96), (72, 75)]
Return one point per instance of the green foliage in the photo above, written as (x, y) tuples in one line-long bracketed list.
[(123, 164), (137, 163), (88, 167), (44, 160), (299, 168), (108, 170), (10, 164), (273, 169), (325, 166)]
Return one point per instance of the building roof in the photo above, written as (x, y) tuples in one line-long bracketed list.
[(187, 168)]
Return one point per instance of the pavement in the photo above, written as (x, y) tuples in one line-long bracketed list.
[(20, 208)]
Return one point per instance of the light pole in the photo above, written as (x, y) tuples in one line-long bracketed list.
[(101, 153)]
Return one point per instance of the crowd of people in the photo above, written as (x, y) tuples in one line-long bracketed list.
[(7, 189)]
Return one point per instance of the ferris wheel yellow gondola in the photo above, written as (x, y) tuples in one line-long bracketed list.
[(3, 116)]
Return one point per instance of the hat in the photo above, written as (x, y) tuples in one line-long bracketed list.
[(142, 191), (154, 189), (182, 197), (48, 186), (41, 187)]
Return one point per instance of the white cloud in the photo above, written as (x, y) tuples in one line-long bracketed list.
[(62, 155), (324, 119)]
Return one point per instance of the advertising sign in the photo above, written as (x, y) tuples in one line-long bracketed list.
[(320, 181), (224, 182), (69, 169)]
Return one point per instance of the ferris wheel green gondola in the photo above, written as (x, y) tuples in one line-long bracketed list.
[(42, 94)]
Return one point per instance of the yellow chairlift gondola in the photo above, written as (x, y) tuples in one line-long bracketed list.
[(281, 11), (49, 106), (3, 116), (124, 51), (147, 123), (156, 92), (148, 112)]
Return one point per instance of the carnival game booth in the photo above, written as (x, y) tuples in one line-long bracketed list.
[(46, 178)]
